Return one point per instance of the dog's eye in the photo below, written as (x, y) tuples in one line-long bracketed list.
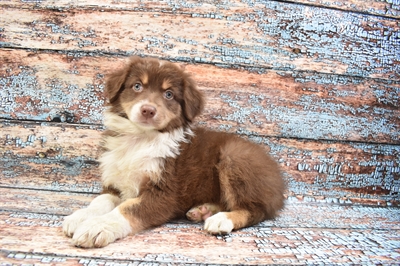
[(138, 87), (169, 95)]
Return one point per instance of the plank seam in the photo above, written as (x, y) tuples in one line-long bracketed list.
[(251, 69), (173, 11)]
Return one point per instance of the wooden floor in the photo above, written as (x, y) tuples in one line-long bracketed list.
[(316, 83), (305, 233)]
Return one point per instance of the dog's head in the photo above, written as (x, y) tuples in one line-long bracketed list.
[(153, 94)]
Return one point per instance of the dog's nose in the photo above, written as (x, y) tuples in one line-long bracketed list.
[(148, 111)]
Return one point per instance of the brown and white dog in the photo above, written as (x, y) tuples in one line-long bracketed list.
[(157, 167)]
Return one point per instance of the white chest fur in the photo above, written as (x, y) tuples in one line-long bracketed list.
[(134, 154)]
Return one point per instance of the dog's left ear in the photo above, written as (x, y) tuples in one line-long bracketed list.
[(193, 101)]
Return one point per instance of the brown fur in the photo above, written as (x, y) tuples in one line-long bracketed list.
[(213, 167)]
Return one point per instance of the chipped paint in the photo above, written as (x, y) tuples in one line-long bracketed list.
[(387, 8), (316, 84), (325, 246), (51, 174), (263, 33), (24, 97), (328, 174), (326, 171), (302, 234), (311, 117), (38, 258), (300, 105), (44, 153)]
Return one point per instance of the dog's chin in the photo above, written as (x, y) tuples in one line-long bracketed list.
[(148, 124), (145, 124)]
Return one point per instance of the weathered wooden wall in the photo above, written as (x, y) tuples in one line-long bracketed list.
[(319, 85), (316, 82)]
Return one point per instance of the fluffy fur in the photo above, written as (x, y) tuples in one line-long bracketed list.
[(156, 167)]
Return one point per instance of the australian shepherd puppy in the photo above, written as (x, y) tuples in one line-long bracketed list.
[(157, 167)]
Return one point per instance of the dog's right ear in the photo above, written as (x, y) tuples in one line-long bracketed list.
[(193, 99), (115, 83)]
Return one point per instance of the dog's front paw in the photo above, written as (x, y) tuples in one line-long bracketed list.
[(102, 230), (72, 221), (94, 232), (100, 205), (218, 224)]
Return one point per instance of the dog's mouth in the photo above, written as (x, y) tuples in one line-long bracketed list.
[(145, 122)]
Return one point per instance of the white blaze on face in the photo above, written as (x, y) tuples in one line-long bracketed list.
[(135, 115), (163, 116)]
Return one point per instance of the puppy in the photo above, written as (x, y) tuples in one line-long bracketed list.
[(157, 167)]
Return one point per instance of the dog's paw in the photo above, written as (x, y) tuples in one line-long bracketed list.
[(202, 212), (102, 230), (71, 222), (218, 224)]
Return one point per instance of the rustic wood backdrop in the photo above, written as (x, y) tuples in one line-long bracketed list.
[(315, 82)]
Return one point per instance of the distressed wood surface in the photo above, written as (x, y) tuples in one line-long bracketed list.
[(314, 82), (334, 234), (168, 244), (65, 88), (274, 35), (48, 155), (295, 214), (373, 7)]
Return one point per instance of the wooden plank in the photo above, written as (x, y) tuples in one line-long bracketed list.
[(50, 140), (316, 170), (30, 223), (373, 7), (21, 258), (297, 78), (49, 203), (279, 36), (187, 243), (50, 156), (27, 203), (51, 87), (59, 87)]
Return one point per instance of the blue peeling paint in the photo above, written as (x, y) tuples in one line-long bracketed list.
[(57, 101), (336, 178), (359, 42), (313, 117)]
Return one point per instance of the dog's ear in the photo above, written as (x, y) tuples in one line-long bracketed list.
[(114, 84), (193, 101)]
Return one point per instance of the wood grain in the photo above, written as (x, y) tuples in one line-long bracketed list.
[(21, 258), (315, 82), (57, 87), (277, 35), (373, 7), (302, 234), (52, 204), (324, 171)]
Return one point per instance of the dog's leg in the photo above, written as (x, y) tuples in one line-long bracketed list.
[(202, 212), (102, 230), (99, 206), (246, 195), (130, 217), (225, 222)]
